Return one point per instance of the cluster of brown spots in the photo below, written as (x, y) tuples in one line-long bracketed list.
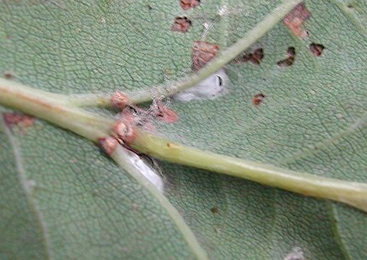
[(290, 59), (132, 116), (181, 24), (296, 18), (124, 133), (13, 119), (187, 4), (258, 99), (317, 49), (255, 57), (202, 53)]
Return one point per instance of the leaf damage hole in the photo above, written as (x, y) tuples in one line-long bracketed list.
[(255, 57), (181, 24), (296, 18), (317, 49), (202, 53), (258, 99), (14, 119), (291, 52), (188, 4)]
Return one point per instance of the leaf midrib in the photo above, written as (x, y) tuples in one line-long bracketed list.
[(27, 191)]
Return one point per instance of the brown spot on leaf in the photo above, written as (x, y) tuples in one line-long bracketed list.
[(296, 18), (317, 49), (291, 51), (286, 62), (187, 4), (163, 113), (255, 57), (258, 99), (258, 55), (181, 24), (214, 210), (8, 75), (245, 58), (14, 119), (202, 53)]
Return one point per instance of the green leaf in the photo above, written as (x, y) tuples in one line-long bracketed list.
[(61, 198), (311, 120)]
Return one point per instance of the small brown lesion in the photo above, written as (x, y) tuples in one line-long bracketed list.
[(181, 24), (317, 49), (255, 57), (295, 19), (202, 53), (214, 210), (172, 146), (163, 113), (258, 99), (286, 62), (187, 4), (125, 131), (291, 52), (14, 119), (119, 100), (108, 144), (8, 75)]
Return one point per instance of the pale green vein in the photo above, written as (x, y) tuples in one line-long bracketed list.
[(351, 17), (121, 157), (336, 232), (352, 193), (28, 191), (333, 140), (223, 23), (91, 127)]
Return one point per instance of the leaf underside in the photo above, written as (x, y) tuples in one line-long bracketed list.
[(61, 198)]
